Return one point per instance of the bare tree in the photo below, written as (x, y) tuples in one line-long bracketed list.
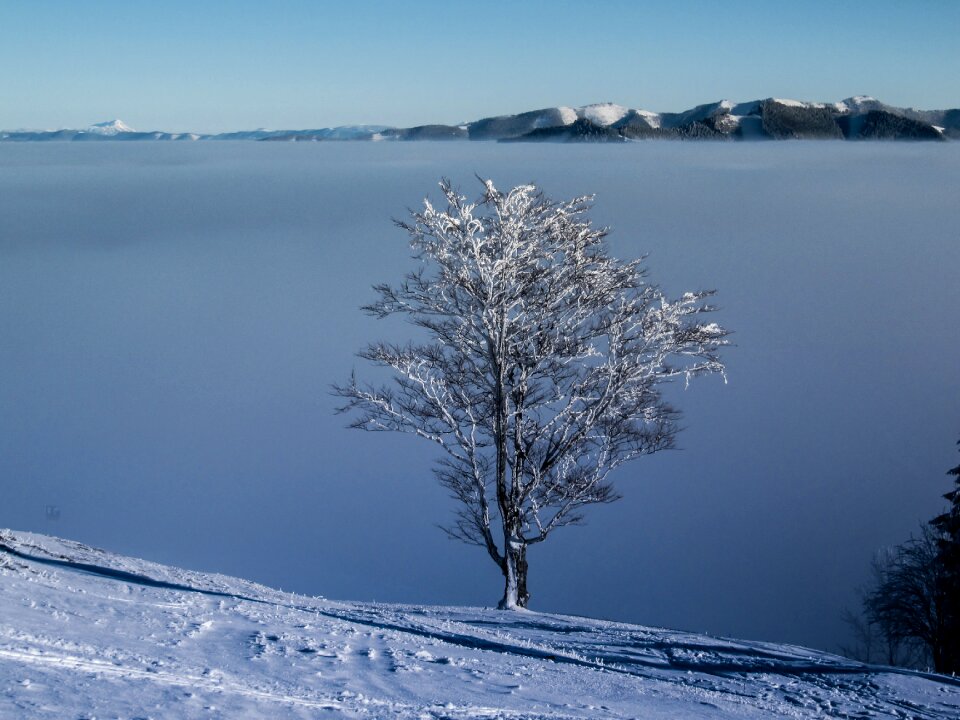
[(874, 639), (908, 601), (912, 607), (868, 643), (543, 365)]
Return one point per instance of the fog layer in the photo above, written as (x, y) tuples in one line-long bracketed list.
[(171, 318)]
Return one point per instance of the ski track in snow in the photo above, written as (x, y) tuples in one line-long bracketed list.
[(86, 634)]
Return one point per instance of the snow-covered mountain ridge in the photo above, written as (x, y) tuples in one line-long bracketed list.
[(860, 117), (87, 633), (111, 127)]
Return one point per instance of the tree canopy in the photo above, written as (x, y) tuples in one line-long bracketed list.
[(543, 365)]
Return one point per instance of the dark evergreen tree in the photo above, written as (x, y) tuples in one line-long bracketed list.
[(947, 528), (915, 598)]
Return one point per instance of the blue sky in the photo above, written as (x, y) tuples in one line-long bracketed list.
[(216, 66)]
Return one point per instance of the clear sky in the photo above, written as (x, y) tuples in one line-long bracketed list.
[(216, 66)]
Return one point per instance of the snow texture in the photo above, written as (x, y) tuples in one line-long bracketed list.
[(603, 113), (568, 115), (86, 633), (789, 103)]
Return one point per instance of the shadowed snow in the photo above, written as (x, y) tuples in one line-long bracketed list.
[(90, 632)]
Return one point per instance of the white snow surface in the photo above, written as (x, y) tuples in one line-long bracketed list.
[(855, 104), (568, 115), (790, 103), (603, 113), (652, 118), (87, 633)]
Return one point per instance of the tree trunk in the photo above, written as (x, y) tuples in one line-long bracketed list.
[(515, 594), (523, 596)]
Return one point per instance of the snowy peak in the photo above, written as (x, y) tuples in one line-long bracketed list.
[(857, 118), (547, 122), (602, 114), (110, 127), (858, 104), (789, 103)]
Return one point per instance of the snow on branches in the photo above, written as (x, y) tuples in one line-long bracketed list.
[(543, 368)]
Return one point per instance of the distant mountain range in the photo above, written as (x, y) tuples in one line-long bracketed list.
[(856, 118)]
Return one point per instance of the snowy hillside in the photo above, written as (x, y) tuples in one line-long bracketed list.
[(86, 633)]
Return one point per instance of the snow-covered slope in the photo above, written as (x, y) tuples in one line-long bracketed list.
[(86, 633)]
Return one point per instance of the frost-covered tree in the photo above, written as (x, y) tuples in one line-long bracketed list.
[(542, 368)]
